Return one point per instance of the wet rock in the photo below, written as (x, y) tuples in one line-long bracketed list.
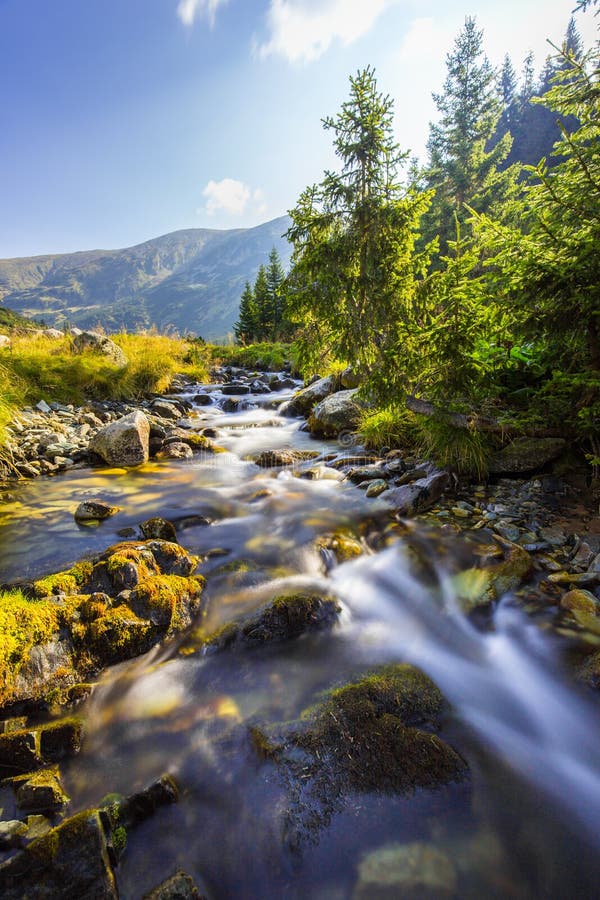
[(71, 860), (41, 792), (167, 602), (343, 544), (124, 442), (12, 834), (337, 414), (524, 456), (284, 618), (416, 871), (61, 740), (176, 450), (18, 753), (179, 886), (236, 390), (202, 399), (165, 409), (93, 510), (308, 397), (366, 473), (553, 535), (270, 459), (138, 807), (376, 487), (410, 499), (588, 672), (230, 404), (89, 341), (368, 736), (159, 528), (480, 586)]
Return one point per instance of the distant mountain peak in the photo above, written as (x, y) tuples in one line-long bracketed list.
[(188, 280)]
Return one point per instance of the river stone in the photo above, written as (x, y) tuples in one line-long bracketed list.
[(71, 860), (410, 499), (124, 442), (179, 887), (271, 459), (376, 487), (416, 871), (99, 343), (335, 415), (235, 390), (41, 793), (92, 510), (165, 410), (176, 450), (524, 456), (159, 528), (349, 378), (11, 834), (303, 402)]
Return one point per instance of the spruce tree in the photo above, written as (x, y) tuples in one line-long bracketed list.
[(245, 327), (275, 281), (464, 161), (262, 306), (354, 281)]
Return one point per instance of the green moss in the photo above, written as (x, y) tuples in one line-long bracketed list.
[(68, 582), (23, 624), (119, 840), (364, 733), (167, 600), (119, 635), (289, 616)]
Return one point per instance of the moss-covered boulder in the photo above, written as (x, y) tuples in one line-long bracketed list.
[(285, 617), (337, 414), (71, 860), (179, 886), (374, 735), (524, 456), (101, 611), (27, 749)]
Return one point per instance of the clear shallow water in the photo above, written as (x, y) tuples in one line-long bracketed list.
[(526, 826)]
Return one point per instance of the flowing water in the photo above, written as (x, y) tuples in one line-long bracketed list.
[(526, 825)]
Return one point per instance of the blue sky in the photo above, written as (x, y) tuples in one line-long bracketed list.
[(126, 119)]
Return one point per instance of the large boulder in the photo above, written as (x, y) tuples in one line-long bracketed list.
[(410, 499), (99, 343), (524, 456), (308, 397), (124, 442), (335, 414)]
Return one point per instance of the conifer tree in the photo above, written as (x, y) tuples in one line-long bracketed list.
[(275, 282), (354, 281), (262, 306), (464, 162), (245, 327)]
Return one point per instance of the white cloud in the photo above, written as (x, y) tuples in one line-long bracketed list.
[(302, 30), (232, 197), (187, 10)]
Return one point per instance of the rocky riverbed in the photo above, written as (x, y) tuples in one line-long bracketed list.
[(208, 532)]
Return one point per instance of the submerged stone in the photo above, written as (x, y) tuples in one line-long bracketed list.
[(179, 886), (416, 871), (92, 510)]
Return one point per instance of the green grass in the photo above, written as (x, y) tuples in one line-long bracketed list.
[(392, 426), (462, 450)]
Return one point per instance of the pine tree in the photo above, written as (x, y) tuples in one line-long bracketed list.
[(262, 306), (275, 282), (245, 327), (464, 160), (353, 284)]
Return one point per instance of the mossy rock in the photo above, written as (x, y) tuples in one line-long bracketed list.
[(41, 792), (286, 617), (343, 544), (74, 624), (71, 860), (367, 730), (362, 737), (481, 586), (169, 602)]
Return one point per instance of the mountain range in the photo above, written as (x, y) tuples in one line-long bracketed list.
[(187, 281)]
